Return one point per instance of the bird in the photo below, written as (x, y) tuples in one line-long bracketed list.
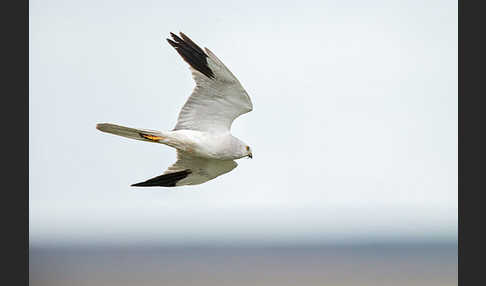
[(202, 135)]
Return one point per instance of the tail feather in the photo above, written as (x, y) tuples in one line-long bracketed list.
[(132, 133)]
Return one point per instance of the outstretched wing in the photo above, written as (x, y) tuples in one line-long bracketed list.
[(190, 170), (218, 97)]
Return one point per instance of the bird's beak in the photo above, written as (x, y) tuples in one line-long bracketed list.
[(250, 155)]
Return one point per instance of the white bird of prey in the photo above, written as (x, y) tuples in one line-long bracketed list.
[(202, 136)]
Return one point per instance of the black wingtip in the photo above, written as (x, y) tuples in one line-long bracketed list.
[(191, 53), (166, 180), (172, 43)]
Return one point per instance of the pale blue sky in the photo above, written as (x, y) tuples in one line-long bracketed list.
[(354, 127)]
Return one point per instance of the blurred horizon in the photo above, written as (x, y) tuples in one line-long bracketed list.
[(395, 264), (237, 226)]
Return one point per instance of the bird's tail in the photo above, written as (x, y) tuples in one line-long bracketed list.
[(132, 133)]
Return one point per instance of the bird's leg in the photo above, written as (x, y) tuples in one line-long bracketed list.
[(152, 137)]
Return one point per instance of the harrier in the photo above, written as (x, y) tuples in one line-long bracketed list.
[(202, 136)]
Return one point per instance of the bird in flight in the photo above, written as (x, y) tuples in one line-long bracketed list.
[(202, 136)]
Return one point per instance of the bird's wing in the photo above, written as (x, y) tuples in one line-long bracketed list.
[(190, 170), (218, 97)]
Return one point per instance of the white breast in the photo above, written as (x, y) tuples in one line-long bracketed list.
[(203, 144)]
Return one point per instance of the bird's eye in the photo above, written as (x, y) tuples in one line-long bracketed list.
[(247, 148)]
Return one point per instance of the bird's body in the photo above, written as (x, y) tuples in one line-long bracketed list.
[(205, 146), (219, 146)]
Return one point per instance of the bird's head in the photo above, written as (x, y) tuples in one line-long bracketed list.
[(240, 149)]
